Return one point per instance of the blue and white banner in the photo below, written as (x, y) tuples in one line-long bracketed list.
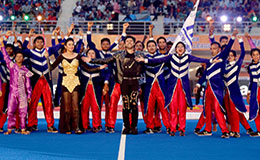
[(186, 33)]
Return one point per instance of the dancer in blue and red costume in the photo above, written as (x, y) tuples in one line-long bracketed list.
[(91, 85), (178, 96), (41, 83), (253, 96), (111, 91), (154, 90), (233, 99), (213, 97)]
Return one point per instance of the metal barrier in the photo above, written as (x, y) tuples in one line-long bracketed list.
[(116, 27)]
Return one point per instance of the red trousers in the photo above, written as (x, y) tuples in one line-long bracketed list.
[(212, 104), (157, 118), (178, 108), (234, 117), (41, 90), (114, 99), (257, 120), (156, 95), (89, 101), (3, 116), (106, 99)]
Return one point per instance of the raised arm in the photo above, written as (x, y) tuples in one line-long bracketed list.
[(224, 54), (122, 38), (80, 42), (211, 31), (7, 59), (250, 41), (54, 49), (242, 55), (151, 27)]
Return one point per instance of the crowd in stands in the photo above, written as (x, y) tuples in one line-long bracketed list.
[(176, 10), (48, 9)]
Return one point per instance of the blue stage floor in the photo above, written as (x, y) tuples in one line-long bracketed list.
[(43, 145)]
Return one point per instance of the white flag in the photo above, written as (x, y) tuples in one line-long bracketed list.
[(186, 33)]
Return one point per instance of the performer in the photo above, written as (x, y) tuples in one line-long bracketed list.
[(20, 90), (91, 85), (213, 97), (41, 83), (233, 99), (128, 74), (5, 76), (253, 95), (178, 93), (69, 114), (154, 90), (110, 93)]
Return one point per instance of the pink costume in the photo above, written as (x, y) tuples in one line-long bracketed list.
[(19, 93)]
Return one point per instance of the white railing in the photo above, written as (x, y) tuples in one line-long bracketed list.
[(115, 27)]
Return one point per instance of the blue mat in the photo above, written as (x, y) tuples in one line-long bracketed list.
[(106, 146)]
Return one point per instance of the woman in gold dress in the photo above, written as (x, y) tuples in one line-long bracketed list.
[(69, 112)]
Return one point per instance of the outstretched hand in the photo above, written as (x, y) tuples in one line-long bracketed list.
[(31, 33), (86, 59), (103, 66), (139, 59)]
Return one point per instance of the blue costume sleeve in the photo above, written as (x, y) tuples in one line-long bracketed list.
[(242, 56), (212, 39), (25, 44), (250, 79), (53, 41), (54, 49), (91, 45), (197, 59), (224, 54), (78, 47), (156, 61)]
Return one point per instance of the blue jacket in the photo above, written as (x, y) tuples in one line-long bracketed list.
[(214, 74), (179, 70), (152, 74), (231, 75), (254, 73)]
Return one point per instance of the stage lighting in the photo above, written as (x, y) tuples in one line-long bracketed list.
[(26, 17), (1, 17), (254, 19), (239, 19), (39, 17), (223, 18), (227, 27), (12, 17), (208, 18), (110, 26)]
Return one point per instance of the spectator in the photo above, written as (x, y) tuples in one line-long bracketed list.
[(26, 8)]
